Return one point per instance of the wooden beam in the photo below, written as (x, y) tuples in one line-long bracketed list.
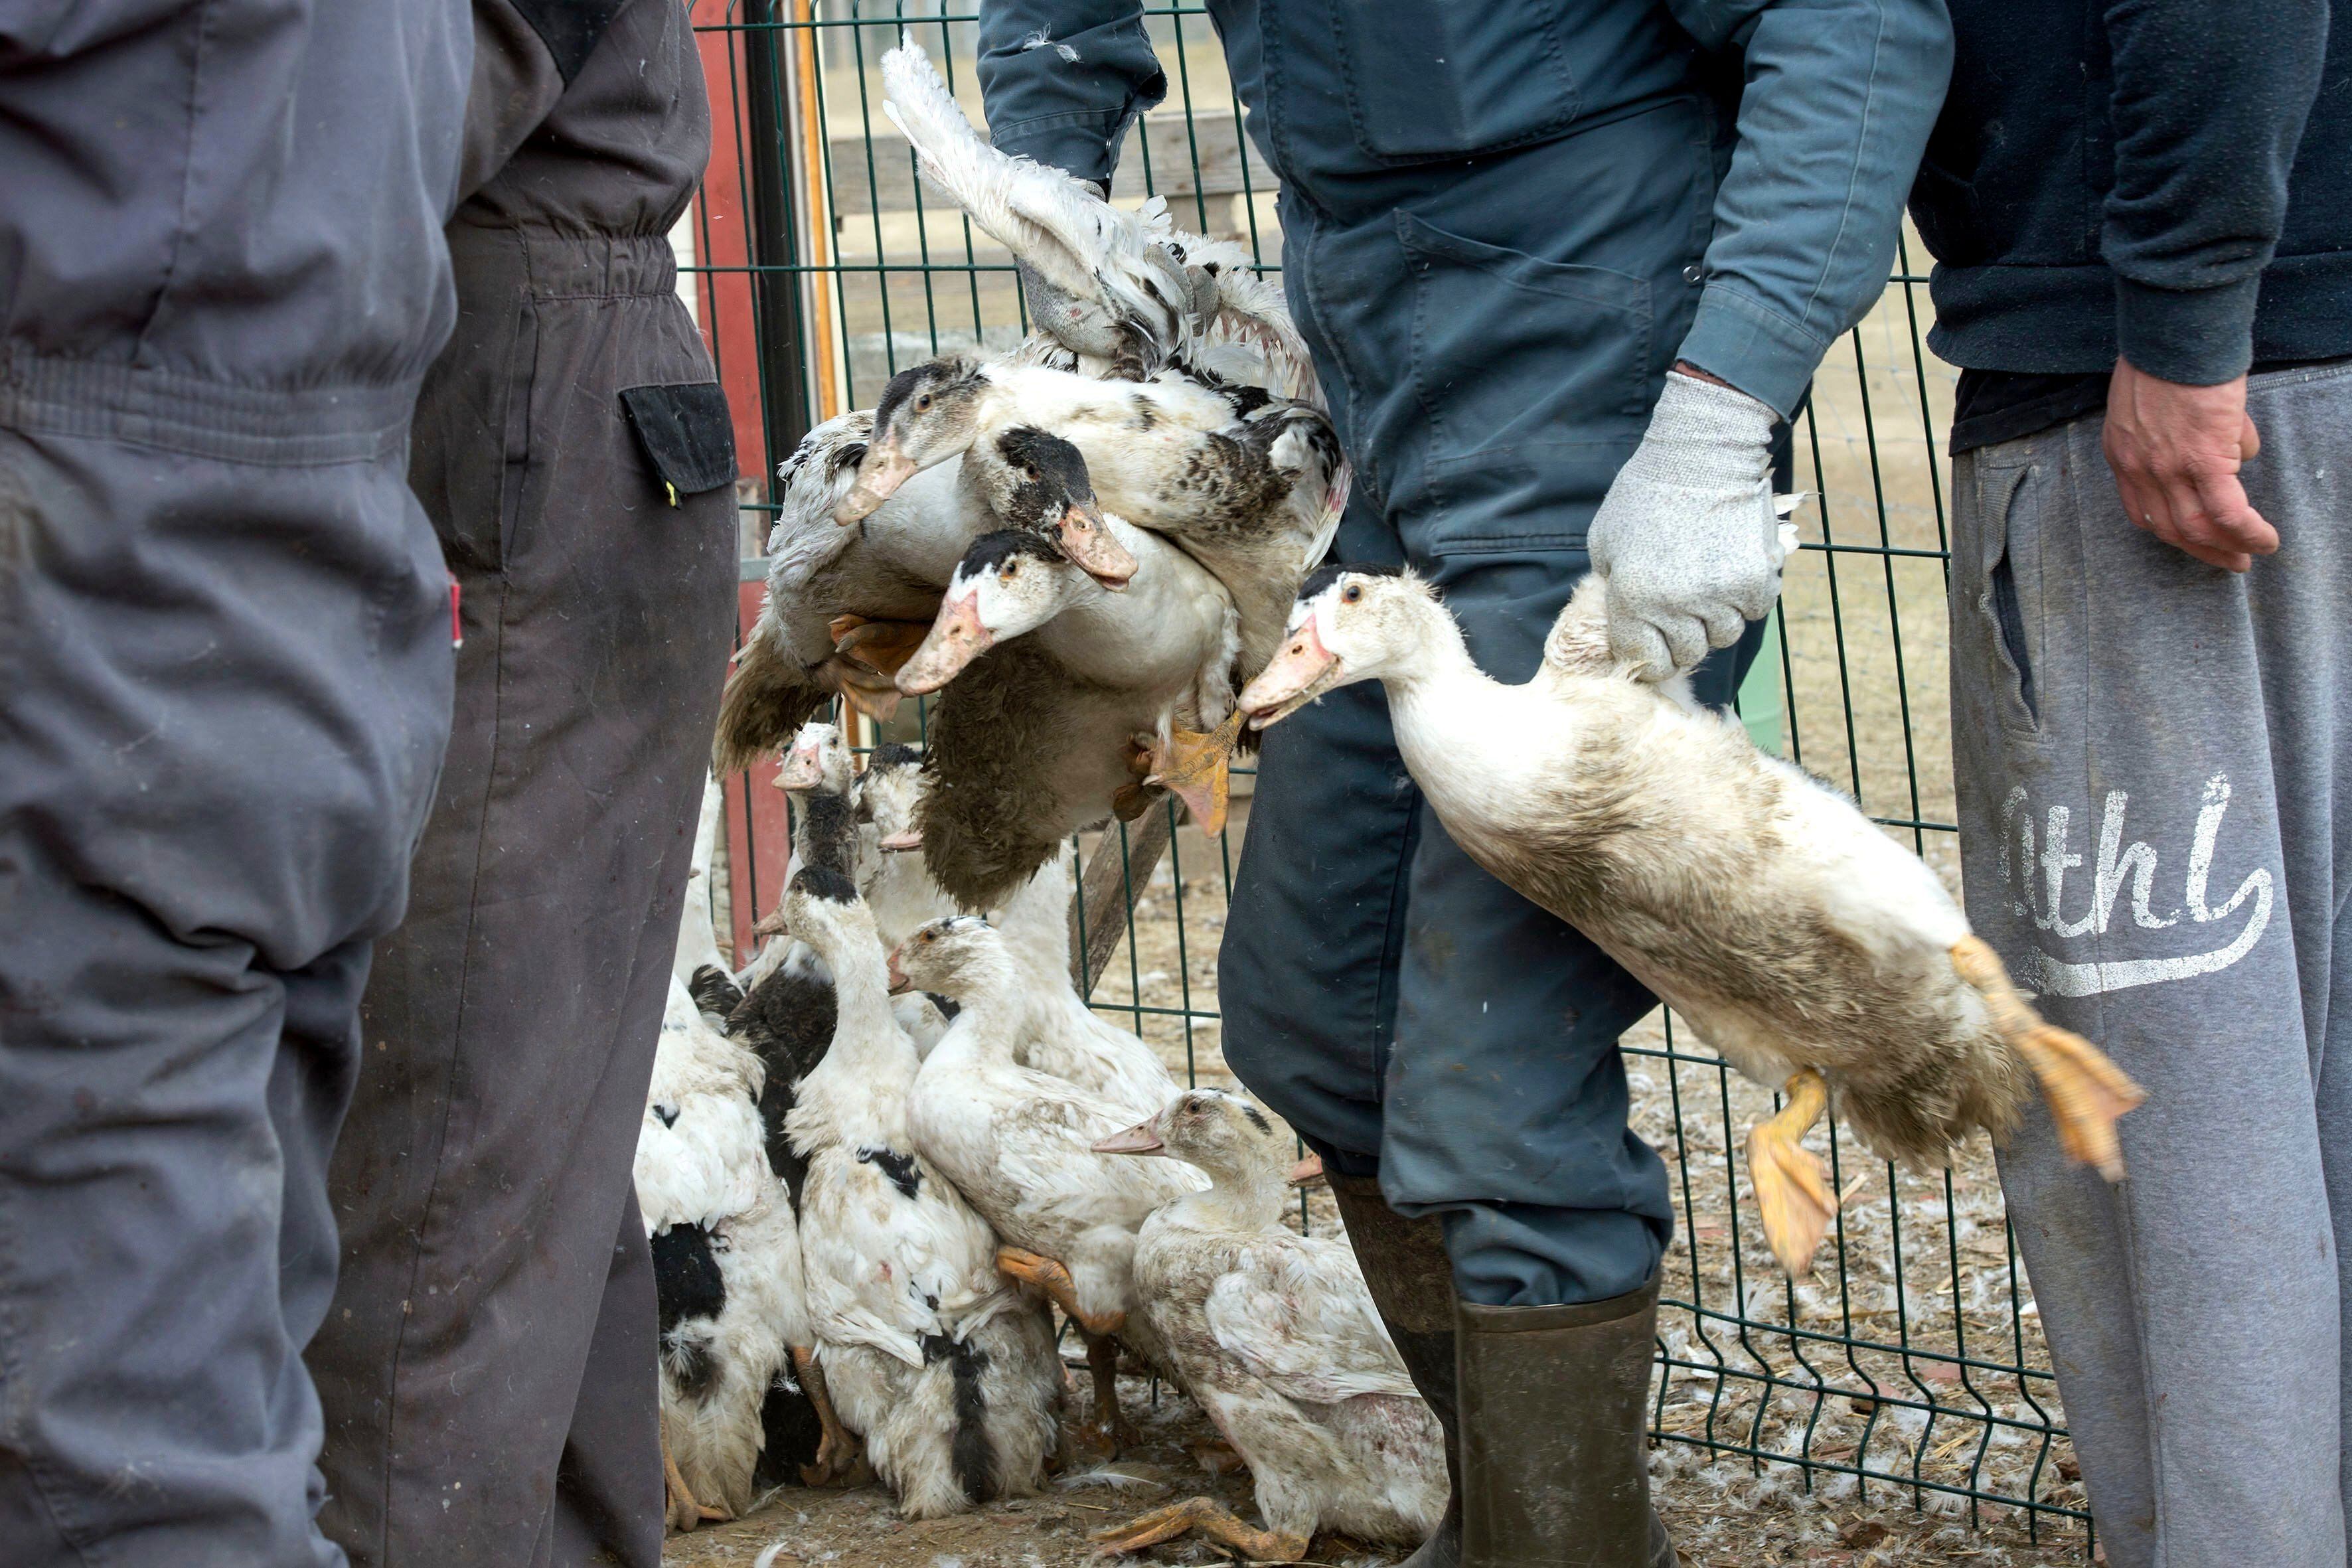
[(1108, 888), (888, 182)]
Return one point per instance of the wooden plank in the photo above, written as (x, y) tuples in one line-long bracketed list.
[(889, 184), (759, 826), (1108, 889)]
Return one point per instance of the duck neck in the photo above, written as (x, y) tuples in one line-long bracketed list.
[(1427, 682), (989, 1025), (861, 1082), (1241, 1198)]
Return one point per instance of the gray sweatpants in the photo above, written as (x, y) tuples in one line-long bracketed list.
[(2148, 753)]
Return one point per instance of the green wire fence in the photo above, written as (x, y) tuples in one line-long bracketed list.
[(1912, 1363)]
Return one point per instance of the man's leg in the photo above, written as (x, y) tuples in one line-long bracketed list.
[(511, 1020), (224, 688), (2146, 752)]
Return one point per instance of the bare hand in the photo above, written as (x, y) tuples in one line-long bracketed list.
[(2175, 451)]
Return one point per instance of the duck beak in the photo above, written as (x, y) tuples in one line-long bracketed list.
[(799, 769), (884, 469), (956, 638), (906, 838), (899, 984), (1309, 1173), (1297, 675), (1091, 548), (771, 924), (1143, 1138)]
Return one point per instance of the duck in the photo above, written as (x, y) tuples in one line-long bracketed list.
[(1279, 1342), (894, 883), (1043, 734), (1127, 292), (1250, 484), (738, 1404), (940, 1362), (1019, 1145), (845, 605), (1818, 956)]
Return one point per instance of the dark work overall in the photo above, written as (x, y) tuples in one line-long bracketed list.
[(224, 694), (488, 1367)]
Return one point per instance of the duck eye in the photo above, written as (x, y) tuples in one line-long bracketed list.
[(1352, 593), (923, 404)]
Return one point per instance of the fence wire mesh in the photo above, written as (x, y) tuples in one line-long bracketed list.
[(1912, 1358)]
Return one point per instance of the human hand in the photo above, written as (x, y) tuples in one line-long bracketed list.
[(2175, 451), (1686, 535)]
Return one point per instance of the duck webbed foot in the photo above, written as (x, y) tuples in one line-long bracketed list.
[(1197, 768), (866, 658), (1792, 1194), (681, 1510), (840, 1456), (1049, 1276), (2087, 1092), (1212, 1520)]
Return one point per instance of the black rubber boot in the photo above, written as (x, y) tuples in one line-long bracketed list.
[(1554, 1402), (1412, 1282)]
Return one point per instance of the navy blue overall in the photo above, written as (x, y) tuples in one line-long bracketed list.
[(1502, 224)]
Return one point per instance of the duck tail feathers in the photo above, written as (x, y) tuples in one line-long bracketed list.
[(769, 697)]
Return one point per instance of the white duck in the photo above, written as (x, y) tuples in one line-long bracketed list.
[(1126, 290), (1058, 729), (1800, 941), (727, 1278), (844, 605), (1019, 1144), (947, 1372), (1279, 1340)]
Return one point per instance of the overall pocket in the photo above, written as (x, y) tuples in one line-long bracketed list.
[(1533, 377), (1429, 80), (685, 434)]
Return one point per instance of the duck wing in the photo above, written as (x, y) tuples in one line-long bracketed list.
[(1071, 237), (1294, 1311)]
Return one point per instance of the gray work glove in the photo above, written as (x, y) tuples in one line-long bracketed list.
[(1686, 535)]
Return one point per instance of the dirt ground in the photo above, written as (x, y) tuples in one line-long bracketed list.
[(1721, 1516)]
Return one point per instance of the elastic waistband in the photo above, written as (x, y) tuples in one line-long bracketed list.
[(563, 265), (176, 412)]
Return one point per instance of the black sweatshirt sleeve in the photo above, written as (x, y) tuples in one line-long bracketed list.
[(2208, 105)]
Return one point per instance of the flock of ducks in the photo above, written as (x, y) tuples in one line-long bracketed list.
[(879, 1161)]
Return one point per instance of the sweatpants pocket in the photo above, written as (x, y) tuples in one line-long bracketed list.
[(1993, 549)]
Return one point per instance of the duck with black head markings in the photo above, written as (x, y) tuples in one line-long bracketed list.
[(1254, 493), (1809, 948), (1019, 1145), (846, 605), (935, 1358)]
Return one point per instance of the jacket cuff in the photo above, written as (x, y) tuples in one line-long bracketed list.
[(1084, 142), (1756, 349), (2198, 337)]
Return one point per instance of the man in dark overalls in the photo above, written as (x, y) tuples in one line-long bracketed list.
[(224, 694), (1504, 225), (489, 1370)]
